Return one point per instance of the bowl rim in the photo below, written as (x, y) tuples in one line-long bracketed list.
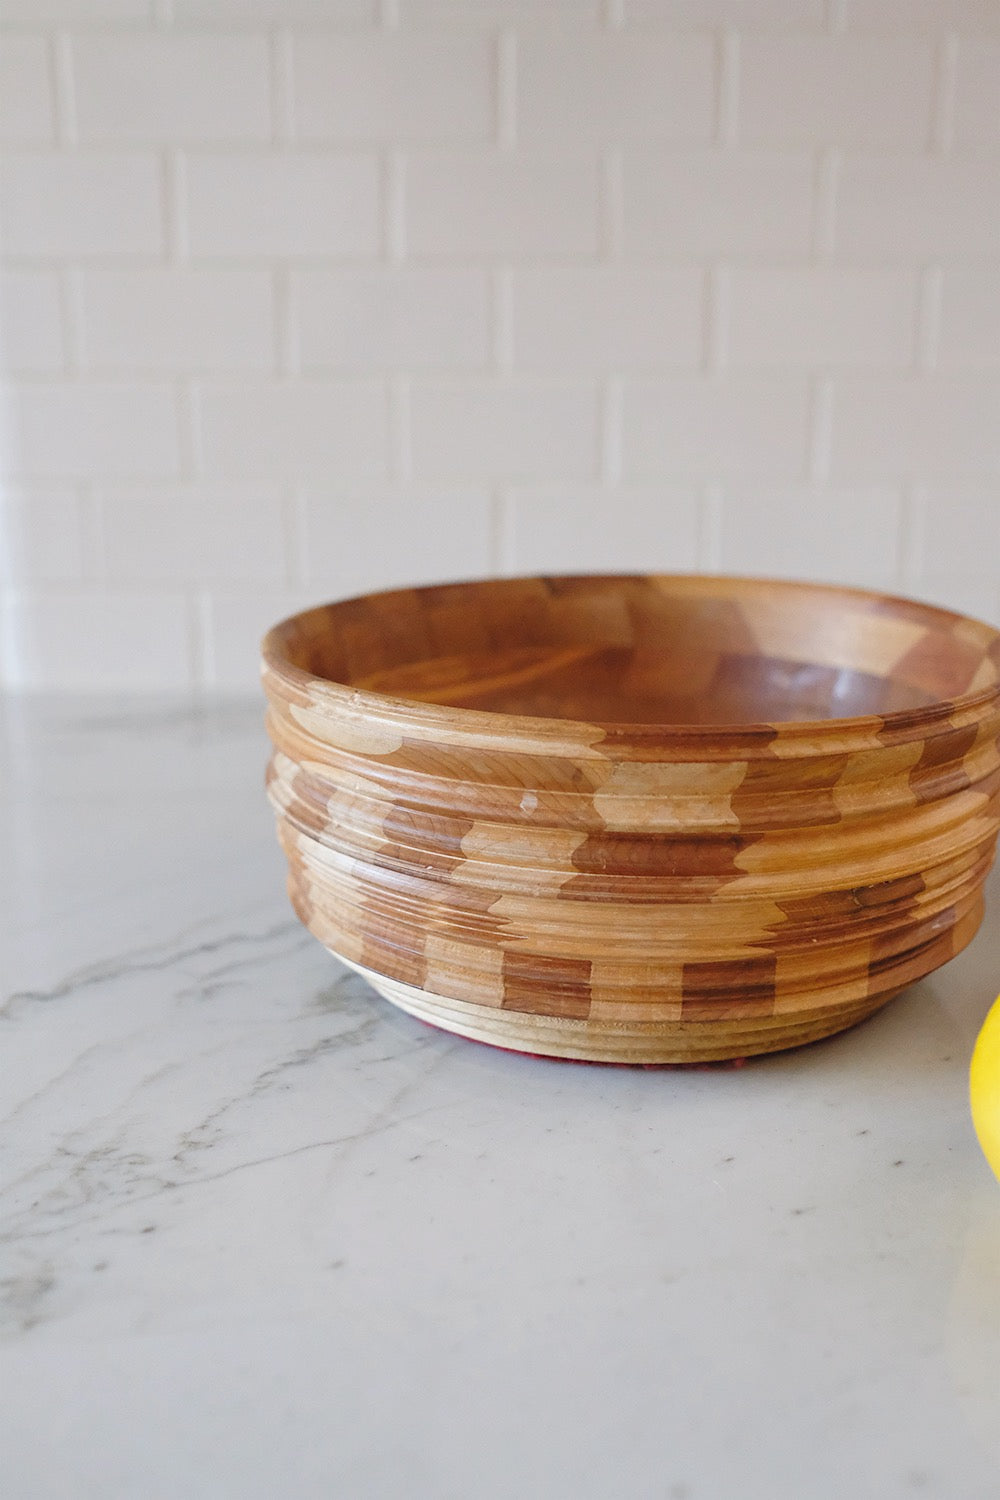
[(427, 713)]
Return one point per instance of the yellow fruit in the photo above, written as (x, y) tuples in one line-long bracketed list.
[(984, 1087)]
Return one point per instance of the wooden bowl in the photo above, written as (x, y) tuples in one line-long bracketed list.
[(636, 819)]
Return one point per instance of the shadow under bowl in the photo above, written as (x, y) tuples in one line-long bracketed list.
[(640, 819)]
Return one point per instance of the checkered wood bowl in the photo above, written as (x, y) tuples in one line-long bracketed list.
[(636, 819)]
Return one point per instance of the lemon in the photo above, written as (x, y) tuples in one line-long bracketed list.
[(984, 1087)]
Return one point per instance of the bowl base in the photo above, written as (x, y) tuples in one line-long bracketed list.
[(626, 1042)]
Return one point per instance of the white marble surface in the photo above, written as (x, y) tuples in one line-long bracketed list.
[(262, 1235)]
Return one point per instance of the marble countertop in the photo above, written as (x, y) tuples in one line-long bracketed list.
[(263, 1235)]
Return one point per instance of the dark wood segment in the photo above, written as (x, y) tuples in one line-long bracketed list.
[(643, 819)]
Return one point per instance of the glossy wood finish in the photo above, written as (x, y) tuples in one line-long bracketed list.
[(642, 819)]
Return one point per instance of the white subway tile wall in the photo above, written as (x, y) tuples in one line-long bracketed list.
[(715, 203), (382, 87), (305, 297), (26, 93), (291, 429), (615, 529), (63, 204), (154, 87), (31, 321), (257, 203), (865, 91), (64, 429), (393, 318), (173, 318), (368, 539), (969, 334)]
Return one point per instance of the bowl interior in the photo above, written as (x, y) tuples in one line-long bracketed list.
[(645, 649)]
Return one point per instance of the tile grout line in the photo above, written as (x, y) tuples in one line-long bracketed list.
[(93, 535), (201, 639), (612, 419), (836, 17), (72, 320), (929, 310), (501, 534), (174, 195), (506, 86), (820, 441), (829, 163), (611, 204), (67, 127), (287, 354), (710, 529), (400, 428), (944, 95), (282, 85), (394, 206), (910, 539), (728, 88), (288, 510), (717, 313), (502, 286), (299, 538), (190, 436)]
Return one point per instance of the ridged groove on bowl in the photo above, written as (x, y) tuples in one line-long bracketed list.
[(640, 892)]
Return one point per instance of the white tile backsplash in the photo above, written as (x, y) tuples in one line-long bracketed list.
[(76, 12), (802, 532), (969, 548), (206, 533), (151, 87), (65, 204), (27, 98), (512, 428), (245, 204), (304, 297), (31, 320), (173, 318), (749, 15), (306, 429), (715, 427), (908, 428), (393, 318), (310, 13), (106, 641), (232, 622), (811, 317), (85, 430), (383, 87), (706, 203), (496, 12), (498, 204), (42, 537), (606, 87), (356, 540), (970, 318), (604, 318), (613, 530), (913, 208), (977, 93), (869, 91), (931, 17)]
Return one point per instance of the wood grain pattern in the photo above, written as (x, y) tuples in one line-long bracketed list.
[(645, 819)]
